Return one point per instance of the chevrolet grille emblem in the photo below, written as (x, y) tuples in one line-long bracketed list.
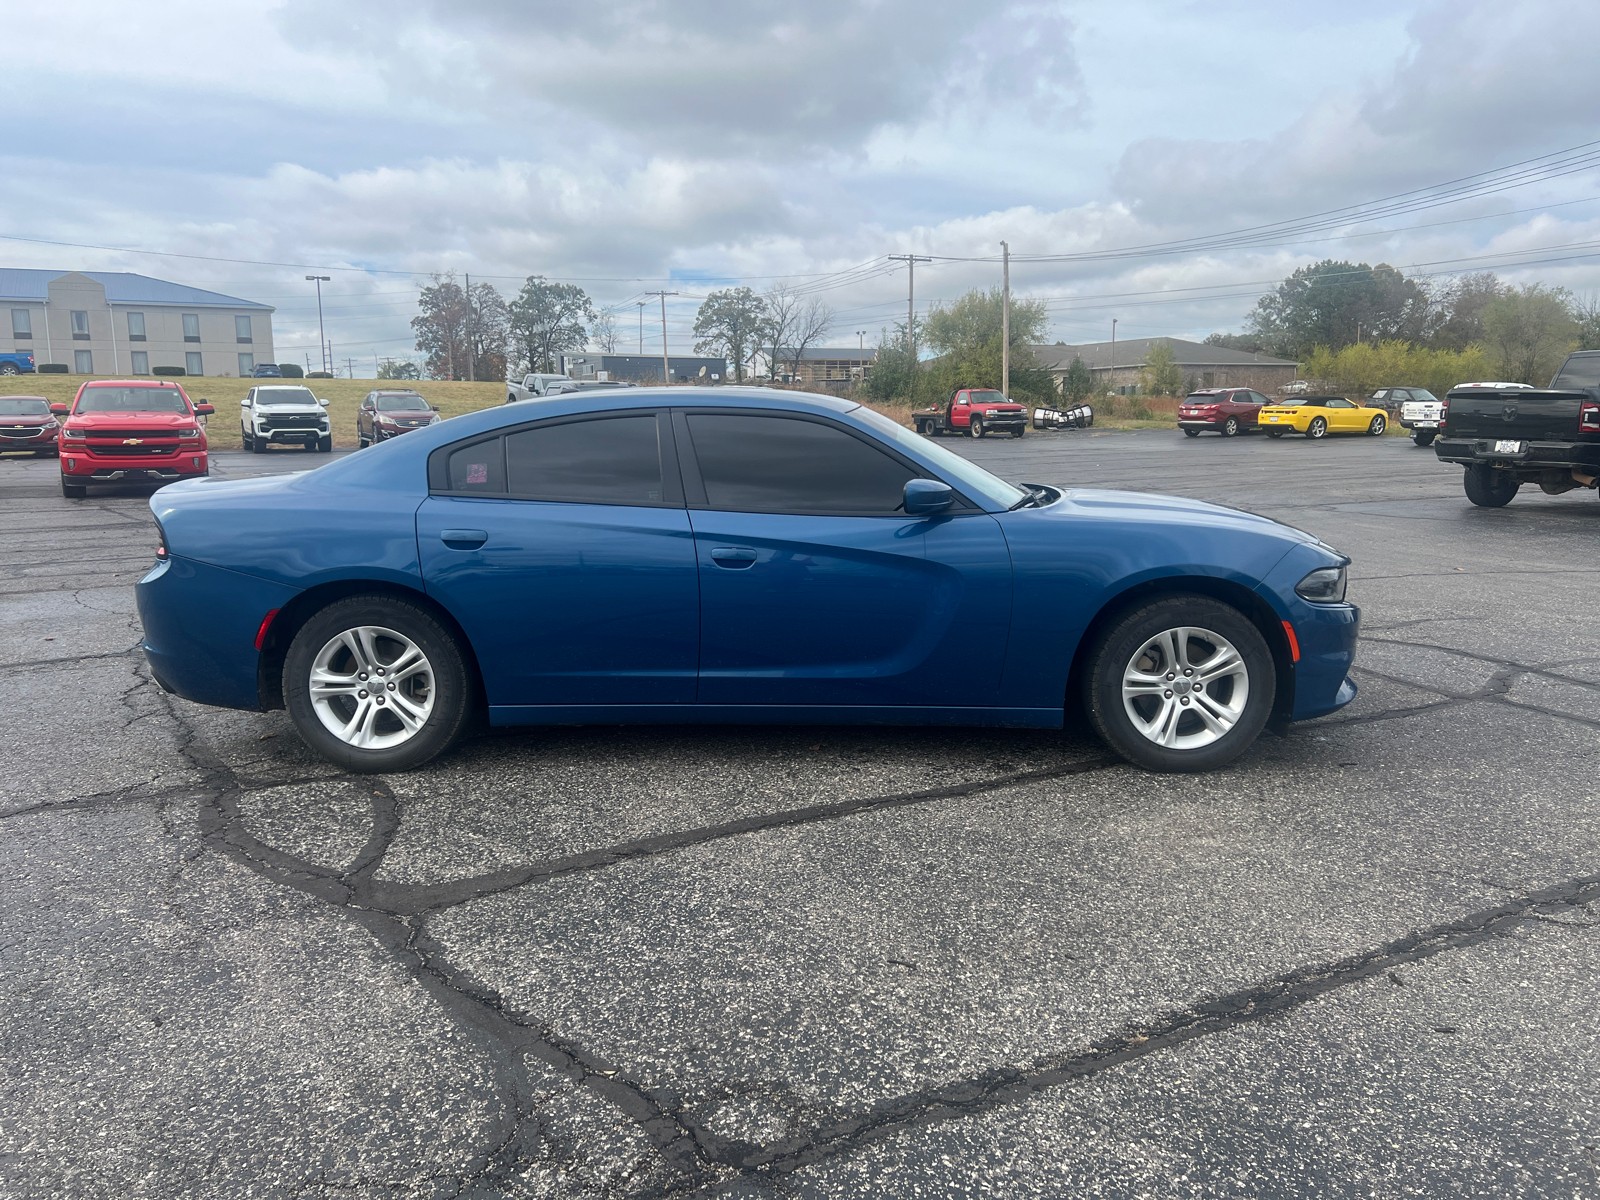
[(133, 441)]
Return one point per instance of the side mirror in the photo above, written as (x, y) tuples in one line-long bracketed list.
[(924, 497), (322, 402), (58, 409), (204, 409)]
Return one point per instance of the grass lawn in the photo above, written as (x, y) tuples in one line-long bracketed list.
[(222, 430)]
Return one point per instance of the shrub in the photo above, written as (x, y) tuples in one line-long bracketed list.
[(319, 375), (52, 368), (292, 371), (168, 371)]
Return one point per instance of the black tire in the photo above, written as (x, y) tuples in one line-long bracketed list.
[(1114, 651), (975, 428), (1377, 426), (361, 442), (1424, 437), (1230, 427), (451, 685), (73, 491), (245, 440), (1274, 433), (1191, 433), (325, 445), (1489, 488), (1317, 429), (1018, 432), (258, 445), (10, 369)]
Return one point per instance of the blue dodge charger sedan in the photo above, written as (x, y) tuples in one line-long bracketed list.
[(731, 555)]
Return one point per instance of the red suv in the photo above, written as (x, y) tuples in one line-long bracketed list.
[(26, 424), (1228, 411), (130, 429)]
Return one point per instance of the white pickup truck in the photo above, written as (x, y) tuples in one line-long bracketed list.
[(532, 387)]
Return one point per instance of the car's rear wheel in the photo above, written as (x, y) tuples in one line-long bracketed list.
[(1489, 488), (1230, 427), (374, 683), (1377, 426), (1318, 428), (1274, 433), (10, 369), (1191, 433), (1424, 437), (1184, 683), (73, 491)]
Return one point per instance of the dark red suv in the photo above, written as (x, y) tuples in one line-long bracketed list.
[(1228, 411)]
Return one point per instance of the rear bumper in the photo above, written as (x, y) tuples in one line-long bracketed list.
[(1535, 455), (1195, 423)]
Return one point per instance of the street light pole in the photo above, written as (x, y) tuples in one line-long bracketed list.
[(1005, 321), (322, 337), (1113, 356), (640, 303)]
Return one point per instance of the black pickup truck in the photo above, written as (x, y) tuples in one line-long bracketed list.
[(1506, 437)]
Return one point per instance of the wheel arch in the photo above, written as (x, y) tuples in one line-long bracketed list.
[(294, 615), (1260, 614)]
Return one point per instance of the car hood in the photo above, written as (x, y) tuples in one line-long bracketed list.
[(26, 420), (267, 410), (1146, 507), (117, 420)]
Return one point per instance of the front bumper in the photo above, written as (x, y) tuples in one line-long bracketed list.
[(1326, 633), (103, 468), (290, 436), (1532, 454), (46, 439)]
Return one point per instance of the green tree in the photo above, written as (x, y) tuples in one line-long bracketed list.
[(1336, 303), (1077, 384), (1587, 314), (731, 323), (547, 319), (398, 368), (967, 337), (1529, 330), (1160, 375), (441, 327), (892, 379), (488, 328), (1461, 310)]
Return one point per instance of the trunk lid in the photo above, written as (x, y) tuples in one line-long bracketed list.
[(1533, 414)]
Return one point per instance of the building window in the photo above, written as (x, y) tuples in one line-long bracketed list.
[(135, 327), (193, 363), (80, 326), (83, 362), (21, 324), (247, 364), (191, 327), (141, 362), (241, 329)]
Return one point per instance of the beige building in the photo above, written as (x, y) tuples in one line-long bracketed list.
[(117, 323), (1117, 365)]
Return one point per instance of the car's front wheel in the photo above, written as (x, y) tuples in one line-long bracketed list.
[(374, 683), (1377, 427), (325, 445), (1184, 683), (975, 428), (73, 491), (1489, 488)]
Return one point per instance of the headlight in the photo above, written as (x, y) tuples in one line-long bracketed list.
[(75, 433), (188, 433), (1323, 586)]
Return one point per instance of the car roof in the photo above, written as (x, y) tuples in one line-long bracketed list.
[(131, 383)]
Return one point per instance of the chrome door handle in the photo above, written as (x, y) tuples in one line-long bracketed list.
[(735, 558)]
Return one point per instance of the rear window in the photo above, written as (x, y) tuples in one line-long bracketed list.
[(131, 399), (479, 468), (1579, 371), (616, 460)]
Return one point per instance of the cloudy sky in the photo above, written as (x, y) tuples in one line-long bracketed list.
[(694, 145)]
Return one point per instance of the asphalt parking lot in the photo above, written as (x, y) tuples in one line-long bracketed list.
[(1362, 961)]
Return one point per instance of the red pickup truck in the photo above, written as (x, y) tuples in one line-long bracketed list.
[(975, 412), (130, 429)]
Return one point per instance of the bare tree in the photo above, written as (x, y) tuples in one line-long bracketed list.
[(783, 307), (603, 331), (812, 321)]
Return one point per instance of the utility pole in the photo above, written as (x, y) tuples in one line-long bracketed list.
[(666, 367), (470, 354), (350, 368), (1113, 356), (640, 303), (911, 261), (1005, 320), (322, 335)]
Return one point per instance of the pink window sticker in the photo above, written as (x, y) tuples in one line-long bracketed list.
[(477, 472)]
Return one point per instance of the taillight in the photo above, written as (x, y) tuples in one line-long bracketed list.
[(1444, 412), (1589, 418), (161, 544)]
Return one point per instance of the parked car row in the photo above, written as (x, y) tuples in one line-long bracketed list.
[(1232, 411)]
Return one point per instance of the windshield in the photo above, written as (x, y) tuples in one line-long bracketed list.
[(131, 399), (404, 402), (268, 397), (988, 396), (969, 476), (24, 406), (1579, 371)]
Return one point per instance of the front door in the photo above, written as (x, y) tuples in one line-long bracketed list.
[(814, 590), (564, 551)]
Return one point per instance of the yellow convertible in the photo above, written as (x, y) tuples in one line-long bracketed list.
[(1318, 416)]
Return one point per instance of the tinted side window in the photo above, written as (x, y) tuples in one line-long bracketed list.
[(478, 468), (612, 461), (774, 464)]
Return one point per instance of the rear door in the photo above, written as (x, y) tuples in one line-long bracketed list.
[(815, 590), (564, 550)]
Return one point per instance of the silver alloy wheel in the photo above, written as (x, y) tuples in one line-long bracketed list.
[(1376, 428), (371, 687), (1317, 428), (1185, 688)]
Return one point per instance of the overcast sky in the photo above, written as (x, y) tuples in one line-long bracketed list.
[(691, 146)]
